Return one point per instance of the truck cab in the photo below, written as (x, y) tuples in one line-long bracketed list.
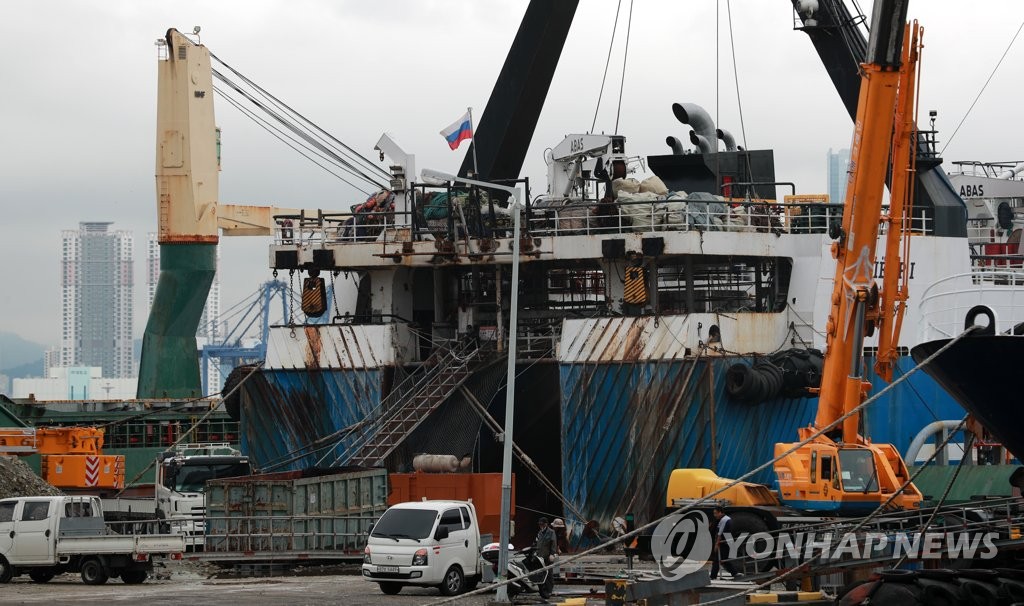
[(181, 478), (425, 543)]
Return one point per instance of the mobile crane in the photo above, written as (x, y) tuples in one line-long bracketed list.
[(842, 472)]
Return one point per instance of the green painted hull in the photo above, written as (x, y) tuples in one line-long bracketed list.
[(170, 362)]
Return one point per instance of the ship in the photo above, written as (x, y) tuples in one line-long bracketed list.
[(710, 370), (978, 369)]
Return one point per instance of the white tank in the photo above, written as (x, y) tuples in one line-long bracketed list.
[(437, 463)]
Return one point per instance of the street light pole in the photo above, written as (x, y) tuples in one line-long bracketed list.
[(510, 386)]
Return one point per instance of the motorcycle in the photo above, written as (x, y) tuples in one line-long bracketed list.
[(521, 567)]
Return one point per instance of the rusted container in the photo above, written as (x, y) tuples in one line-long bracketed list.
[(483, 488), (285, 512)]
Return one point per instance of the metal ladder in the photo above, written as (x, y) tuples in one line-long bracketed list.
[(449, 370)]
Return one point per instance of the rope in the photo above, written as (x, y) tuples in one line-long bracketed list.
[(820, 432), (607, 62), (983, 87)]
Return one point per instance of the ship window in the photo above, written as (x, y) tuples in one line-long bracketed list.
[(714, 283)]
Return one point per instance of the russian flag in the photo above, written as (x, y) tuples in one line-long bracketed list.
[(459, 131)]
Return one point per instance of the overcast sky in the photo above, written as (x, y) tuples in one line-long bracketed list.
[(79, 103)]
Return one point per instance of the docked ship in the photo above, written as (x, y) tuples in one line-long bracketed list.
[(672, 306), (977, 369)]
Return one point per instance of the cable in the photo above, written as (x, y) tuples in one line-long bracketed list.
[(983, 87), (352, 169), (284, 106), (269, 128), (818, 433), (625, 55), (607, 62), (736, 77)]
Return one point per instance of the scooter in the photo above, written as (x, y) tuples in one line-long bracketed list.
[(521, 567)]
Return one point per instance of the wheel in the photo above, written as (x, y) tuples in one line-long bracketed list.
[(453, 582), (94, 573), (133, 577), (390, 588), (513, 590), (41, 576), (6, 570)]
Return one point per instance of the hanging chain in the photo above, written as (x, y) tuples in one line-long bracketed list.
[(334, 294), (291, 298)]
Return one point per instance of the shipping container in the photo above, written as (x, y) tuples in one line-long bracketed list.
[(483, 488), (278, 514)]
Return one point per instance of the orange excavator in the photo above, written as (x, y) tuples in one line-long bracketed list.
[(841, 470), (71, 457)]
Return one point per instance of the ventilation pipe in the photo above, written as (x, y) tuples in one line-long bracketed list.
[(703, 143), (727, 138), (1013, 172), (696, 117), (675, 144)]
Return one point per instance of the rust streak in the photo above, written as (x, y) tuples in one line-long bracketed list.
[(313, 347)]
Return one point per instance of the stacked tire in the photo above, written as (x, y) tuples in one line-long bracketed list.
[(940, 587), (787, 373)]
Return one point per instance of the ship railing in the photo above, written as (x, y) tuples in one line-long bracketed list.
[(562, 216), (945, 303)]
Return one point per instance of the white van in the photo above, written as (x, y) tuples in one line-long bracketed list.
[(425, 543)]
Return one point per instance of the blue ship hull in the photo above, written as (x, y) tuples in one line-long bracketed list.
[(608, 433)]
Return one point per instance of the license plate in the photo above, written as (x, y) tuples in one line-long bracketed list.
[(387, 569)]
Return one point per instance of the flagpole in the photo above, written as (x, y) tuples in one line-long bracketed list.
[(472, 142)]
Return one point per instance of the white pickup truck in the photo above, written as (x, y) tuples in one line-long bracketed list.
[(47, 536), (425, 543)]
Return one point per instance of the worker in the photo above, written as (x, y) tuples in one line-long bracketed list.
[(286, 231), (634, 296), (720, 555), (545, 547), (561, 535)]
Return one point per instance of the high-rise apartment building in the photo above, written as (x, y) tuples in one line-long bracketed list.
[(97, 298), (838, 167), (209, 326)]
